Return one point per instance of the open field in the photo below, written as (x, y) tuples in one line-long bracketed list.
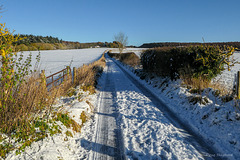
[(55, 60), (227, 78)]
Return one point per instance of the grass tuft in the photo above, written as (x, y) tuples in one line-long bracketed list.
[(68, 133), (83, 117), (68, 122)]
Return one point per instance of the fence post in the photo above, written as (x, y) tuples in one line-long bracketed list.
[(74, 74), (68, 70), (43, 77), (238, 85)]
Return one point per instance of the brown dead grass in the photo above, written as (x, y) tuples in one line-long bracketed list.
[(87, 75), (130, 58), (31, 99), (197, 85)]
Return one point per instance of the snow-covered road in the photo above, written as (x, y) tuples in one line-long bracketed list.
[(108, 142), (135, 123)]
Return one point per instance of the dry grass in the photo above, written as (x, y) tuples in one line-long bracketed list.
[(83, 117), (27, 98), (90, 105), (25, 102), (130, 58), (87, 75), (197, 85), (30, 101)]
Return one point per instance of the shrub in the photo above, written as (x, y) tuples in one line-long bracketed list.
[(48, 46), (127, 58), (22, 47), (32, 48), (60, 46), (23, 95), (165, 62), (196, 61)]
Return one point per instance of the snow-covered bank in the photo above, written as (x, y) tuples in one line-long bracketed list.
[(62, 123), (61, 146), (218, 122)]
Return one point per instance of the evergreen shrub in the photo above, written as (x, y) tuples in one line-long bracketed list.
[(196, 61)]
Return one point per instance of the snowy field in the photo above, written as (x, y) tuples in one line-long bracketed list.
[(137, 51), (227, 78), (55, 60)]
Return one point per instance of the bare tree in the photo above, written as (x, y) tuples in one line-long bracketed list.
[(122, 40)]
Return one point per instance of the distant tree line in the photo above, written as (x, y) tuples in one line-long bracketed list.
[(29, 39), (32, 42), (179, 44), (78, 45)]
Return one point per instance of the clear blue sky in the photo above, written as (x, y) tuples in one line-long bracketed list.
[(143, 21)]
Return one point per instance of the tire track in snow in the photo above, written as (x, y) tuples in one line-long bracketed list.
[(191, 136), (108, 143)]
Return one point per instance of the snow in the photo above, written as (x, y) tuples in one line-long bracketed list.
[(217, 121), (147, 133), (53, 61), (137, 51), (107, 142), (227, 78), (60, 146)]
